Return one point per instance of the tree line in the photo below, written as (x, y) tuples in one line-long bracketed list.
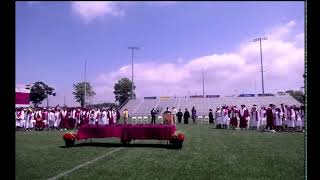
[(83, 92)]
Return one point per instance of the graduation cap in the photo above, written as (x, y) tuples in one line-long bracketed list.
[(254, 105), (242, 105)]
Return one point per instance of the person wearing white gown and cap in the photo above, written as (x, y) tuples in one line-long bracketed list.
[(254, 117), (218, 117)]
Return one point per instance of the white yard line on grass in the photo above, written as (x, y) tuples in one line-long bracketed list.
[(84, 164)]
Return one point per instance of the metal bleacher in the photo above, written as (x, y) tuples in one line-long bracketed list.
[(142, 107)]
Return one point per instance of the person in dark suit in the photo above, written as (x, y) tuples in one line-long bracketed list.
[(153, 116), (179, 115), (210, 116), (186, 116)]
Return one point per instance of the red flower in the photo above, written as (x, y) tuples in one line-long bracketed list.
[(181, 136), (69, 136)]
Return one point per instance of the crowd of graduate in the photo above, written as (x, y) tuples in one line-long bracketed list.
[(283, 118), (272, 118)]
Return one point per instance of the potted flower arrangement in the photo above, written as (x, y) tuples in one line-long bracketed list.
[(177, 139), (69, 138)]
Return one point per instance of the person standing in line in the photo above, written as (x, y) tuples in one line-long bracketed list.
[(125, 116), (254, 116), (244, 114), (110, 116), (233, 118), (218, 116), (92, 120), (174, 112), (179, 115), (302, 117), (118, 116), (28, 120), (186, 116), (283, 116), (210, 116), (225, 117), (278, 118), (114, 115), (270, 117), (298, 121), (45, 118), (263, 119), (153, 116), (57, 118), (51, 119), (194, 115)]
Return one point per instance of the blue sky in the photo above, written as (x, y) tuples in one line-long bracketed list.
[(54, 38)]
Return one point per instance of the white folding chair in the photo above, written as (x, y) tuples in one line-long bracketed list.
[(200, 118), (145, 119), (206, 119), (160, 118), (140, 119), (134, 120)]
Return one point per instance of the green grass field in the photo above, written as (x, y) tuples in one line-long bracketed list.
[(207, 153)]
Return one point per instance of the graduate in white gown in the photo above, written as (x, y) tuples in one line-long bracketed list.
[(278, 120), (29, 124), (57, 118), (114, 115), (104, 117), (218, 117), (225, 117), (254, 117), (51, 119), (92, 119), (299, 120), (291, 118), (263, 119)]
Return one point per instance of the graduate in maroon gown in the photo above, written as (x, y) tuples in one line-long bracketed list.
[(270, 117), (78, 120), (233, 118), (63, 121), (110, 116), (39, 121), (243, 115)]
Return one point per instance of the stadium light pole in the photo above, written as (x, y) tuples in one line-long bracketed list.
[(202, 82), (261, 39), (85, 82), (132, 51)]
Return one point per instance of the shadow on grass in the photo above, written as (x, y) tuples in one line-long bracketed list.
[(131, 145)]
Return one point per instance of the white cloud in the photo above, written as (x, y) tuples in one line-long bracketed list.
[(161, 3), (225, 73), (89, 11)]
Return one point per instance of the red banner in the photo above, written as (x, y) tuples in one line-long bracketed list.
[(22, 98)]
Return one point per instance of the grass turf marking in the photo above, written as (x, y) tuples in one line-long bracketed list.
[(84, 164)]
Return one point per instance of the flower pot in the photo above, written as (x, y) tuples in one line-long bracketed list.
[(69, 143)]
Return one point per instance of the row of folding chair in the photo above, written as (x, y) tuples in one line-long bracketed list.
[(203, 119), (145, 119)]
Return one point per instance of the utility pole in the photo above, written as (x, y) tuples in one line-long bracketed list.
[(85, 83), (132, 49), (261, 39), (202, 83)]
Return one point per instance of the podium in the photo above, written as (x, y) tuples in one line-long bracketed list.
[(168, 118)]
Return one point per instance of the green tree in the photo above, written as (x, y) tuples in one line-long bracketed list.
[(79, 92), (122, 90), (298, 95), (40, 91)]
